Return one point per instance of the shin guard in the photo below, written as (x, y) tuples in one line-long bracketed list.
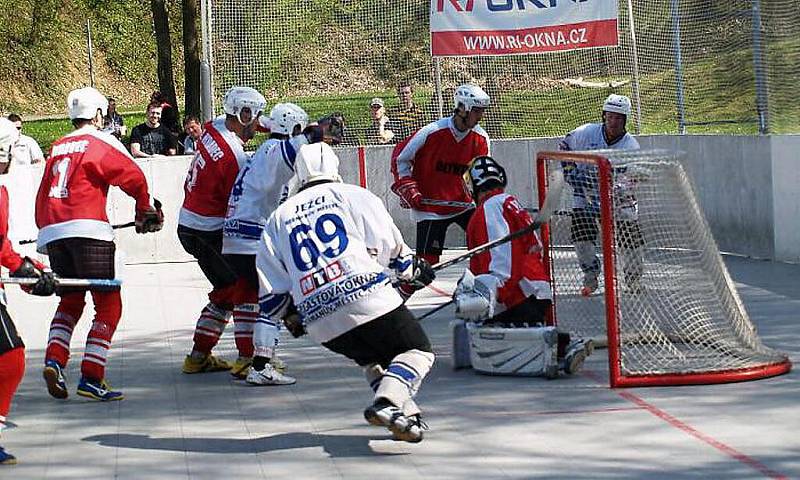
[(265, 337), (108, 310), (69, 311), (244, 320), (209, 328), (403, 377)]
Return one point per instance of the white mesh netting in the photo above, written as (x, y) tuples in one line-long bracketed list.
[(674, 305)]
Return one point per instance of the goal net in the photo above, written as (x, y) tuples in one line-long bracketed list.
[(633, 263)]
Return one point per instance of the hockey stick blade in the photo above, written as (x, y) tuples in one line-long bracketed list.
[(156, 202), (551, 201), (68, 282)]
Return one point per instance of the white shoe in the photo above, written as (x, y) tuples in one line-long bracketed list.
[(268, 376)]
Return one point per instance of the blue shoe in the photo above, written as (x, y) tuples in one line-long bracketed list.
[(98, 390), (6, 458), (54, 376)]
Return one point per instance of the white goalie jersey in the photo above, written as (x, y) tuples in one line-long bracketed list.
[(257, 193), (330, 247)]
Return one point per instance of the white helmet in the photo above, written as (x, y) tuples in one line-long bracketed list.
[(285, 116), (316, 161), (617, 104), (238, 98), (8, 137), (470, 96), (84, 102)]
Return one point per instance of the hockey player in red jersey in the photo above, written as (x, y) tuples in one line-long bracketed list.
[(12, 350), (428, 166), (75, 233), (217, 160), (511, 281)]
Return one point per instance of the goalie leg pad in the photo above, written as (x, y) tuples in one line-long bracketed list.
[(461, 353), (525, 352), (404, 375)]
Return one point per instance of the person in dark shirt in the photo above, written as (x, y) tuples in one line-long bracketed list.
[(407, 117), (151, 138), (169, 113)]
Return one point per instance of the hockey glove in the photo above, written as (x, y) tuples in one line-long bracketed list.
[(423, 275), (294, 324), (150, 220), (408, 191), (45, 286)]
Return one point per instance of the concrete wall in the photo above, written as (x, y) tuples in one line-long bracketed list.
[(748, 187)]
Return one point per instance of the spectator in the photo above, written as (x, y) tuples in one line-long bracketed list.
[(26, 151), (193, 129), (151, 138), (407, 117), (378, 131), (113, 123), (169, 114)]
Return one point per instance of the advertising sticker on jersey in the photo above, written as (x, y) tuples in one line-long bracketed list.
[(518, 27)]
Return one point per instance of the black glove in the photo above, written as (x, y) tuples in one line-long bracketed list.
[(294, 324), (150, 220), (423, 275), (45, 286)]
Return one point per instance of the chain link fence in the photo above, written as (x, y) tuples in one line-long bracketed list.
[(690, 66)]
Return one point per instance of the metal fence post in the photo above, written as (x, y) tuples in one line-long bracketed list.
[(207, 64), (676, 46), (635, 70), (437, 65), (91, 52), (760, 69)]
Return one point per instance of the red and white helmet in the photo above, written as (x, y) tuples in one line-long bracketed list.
[(8, 137), (617, 104), (470, 95), (238, 98), (285, 116), (84, 103)]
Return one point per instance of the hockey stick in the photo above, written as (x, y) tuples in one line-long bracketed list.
[(431, 312), (68, 282), (556, 185), (447, 203), (156, 203)]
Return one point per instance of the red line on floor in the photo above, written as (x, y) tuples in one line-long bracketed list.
[(440, 291), (686, 428)]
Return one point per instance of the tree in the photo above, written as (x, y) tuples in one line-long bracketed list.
[(166, 82), (191, 58)]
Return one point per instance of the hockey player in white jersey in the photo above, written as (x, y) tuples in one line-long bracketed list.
[(327, 250), (610, 134), (256, 193)]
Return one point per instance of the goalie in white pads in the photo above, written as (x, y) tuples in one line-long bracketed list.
[(508, 300), (610, 134), (326, 249)]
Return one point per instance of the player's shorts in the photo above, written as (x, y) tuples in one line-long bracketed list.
[(431, 233), (245, 267), (206, 247), (382, 339), (79, 257)]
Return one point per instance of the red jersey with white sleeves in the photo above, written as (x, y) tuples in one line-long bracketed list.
[(71, 201), (217, 160), (436, 156), (516, 264)]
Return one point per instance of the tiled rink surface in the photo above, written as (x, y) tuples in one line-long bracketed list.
[(176, 426)]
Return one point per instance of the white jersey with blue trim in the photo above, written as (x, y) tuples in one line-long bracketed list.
[(330, 248), (581, 176), (257, 193)]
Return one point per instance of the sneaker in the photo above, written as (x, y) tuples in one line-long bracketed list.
[(241, 366), (98, 390), (412, 433), (6, 458), (268, 376), (590, 285), (577, 351), (208, 364), (54, 376)]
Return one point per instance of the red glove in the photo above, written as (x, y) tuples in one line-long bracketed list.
[(408, 191)]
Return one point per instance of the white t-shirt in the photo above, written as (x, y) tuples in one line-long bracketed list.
[(26, 151)]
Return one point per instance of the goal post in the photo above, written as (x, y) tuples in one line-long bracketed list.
[(633, 263)]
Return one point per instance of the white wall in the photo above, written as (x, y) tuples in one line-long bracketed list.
[(749, 188)]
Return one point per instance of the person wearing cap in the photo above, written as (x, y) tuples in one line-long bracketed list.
[(379, 131), (608, 134), (75, 233)]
